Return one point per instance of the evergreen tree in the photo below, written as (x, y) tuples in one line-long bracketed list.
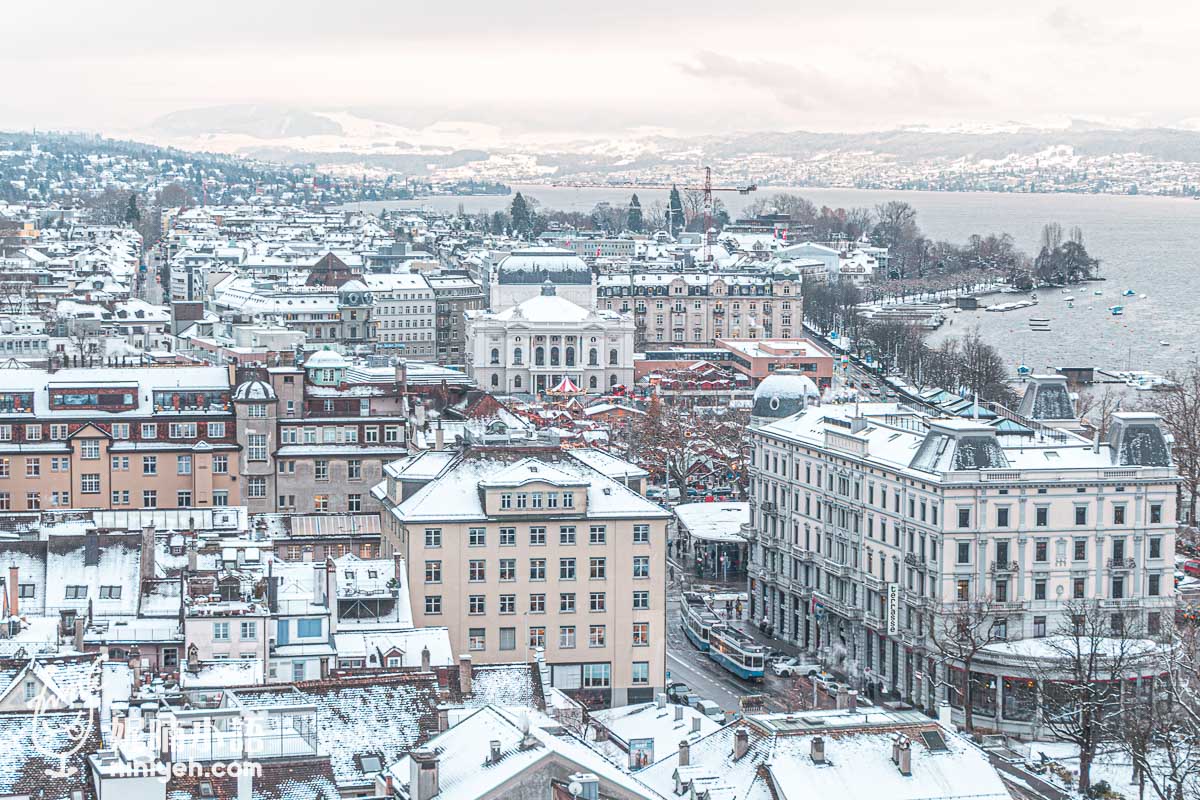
[(132, 215), (675, 211), (522, 221), (635, 215)]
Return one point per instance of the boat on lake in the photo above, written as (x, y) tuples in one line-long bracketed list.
[(1117, 310)]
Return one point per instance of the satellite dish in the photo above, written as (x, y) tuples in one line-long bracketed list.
[(575, 788)]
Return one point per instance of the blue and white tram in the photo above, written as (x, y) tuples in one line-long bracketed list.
[(698, 620), (737, 652)]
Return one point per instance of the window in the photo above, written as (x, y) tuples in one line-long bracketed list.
[(1042, 516), (321, 469), (537, 536), (183, 498), (1078, 589), (183, 465), (33, 433), (477, 570), (308, 628), (1155, 547), (641, 566), (641, 601), (537, 569), (537, 603), (249, 631), (1041, 549), (256, 447), (1000, 628), (964, 553), (477, 537), (568, 500), (962, 590), (4, 468), (216, 430), (26, 591), (182, 430), (508, 638), (641, 534), (641, 673), (433, 537), (149, 498), (320, 502), (566, 569), (33, 467), (1039, 626), (89, 449), (433, 604), (1039, 589), (1118, 515), (506, 500), (596, 636), (149, 465), (1081, 515), (256, 486), (76, 593), (1154, 587), (477, 639), (597, 534), (220, 632), (566, 534), (354, 502), (1002, 517), (566, 636), (597, 676), (33, 500), (566, 602), (433, 571), (596, 602), (476, 604), (508, 604), (297, 670), (964, 518), (537, 636), (508, 569), (508, 537), (641, 634), (1080, 552), (1154, 623), (1156, 516), (597, 568), (89, 483)]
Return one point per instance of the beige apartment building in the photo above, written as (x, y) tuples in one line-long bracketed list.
[(118, 438), (519, 548)]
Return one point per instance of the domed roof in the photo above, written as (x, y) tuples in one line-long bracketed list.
[(253, 391), (326, 359), (353, 285), (538, 264), (783, 394)]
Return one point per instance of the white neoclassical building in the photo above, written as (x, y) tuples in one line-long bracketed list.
[(519, 276), (531, 346)]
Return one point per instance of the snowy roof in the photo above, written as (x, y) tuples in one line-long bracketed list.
[(223, 674), (254, 391), (648, 721), (373, 643), (714, 522), (542, 308), (326, 359), (783, 393)]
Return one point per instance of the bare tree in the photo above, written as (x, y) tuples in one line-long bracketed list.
[(959, 633), (1179, 405), (1082, 670), (1096, 408), (85, 338), (14, 296)]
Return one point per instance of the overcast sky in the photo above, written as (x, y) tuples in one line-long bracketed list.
[(608, 65)]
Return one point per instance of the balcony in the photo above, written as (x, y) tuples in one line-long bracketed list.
[(840, 570), (914, 562), (1121, 564), (872, 582), (1004, 566), (802, 553)]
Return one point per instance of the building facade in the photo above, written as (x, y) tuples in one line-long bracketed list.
[(519, 548), (871, 527)]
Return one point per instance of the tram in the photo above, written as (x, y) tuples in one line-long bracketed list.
[(737, 653), (698, 620)]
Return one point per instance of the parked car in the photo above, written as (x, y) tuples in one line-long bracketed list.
[(791, 667), (711, 710), (827, 683), (677, 692), (1192, 567)]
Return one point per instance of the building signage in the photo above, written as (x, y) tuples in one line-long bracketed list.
[(893, 609)]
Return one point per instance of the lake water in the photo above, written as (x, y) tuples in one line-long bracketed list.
[(1147, 244)]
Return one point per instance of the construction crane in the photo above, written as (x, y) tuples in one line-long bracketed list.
[(707, 187)]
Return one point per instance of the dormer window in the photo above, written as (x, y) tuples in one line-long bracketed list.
[(568, 499)]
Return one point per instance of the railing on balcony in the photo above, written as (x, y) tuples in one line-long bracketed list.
[(1120, 563), (1004, 566)]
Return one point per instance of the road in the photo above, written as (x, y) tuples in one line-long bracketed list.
[(705, 678)]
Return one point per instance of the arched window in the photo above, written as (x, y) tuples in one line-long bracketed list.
[(554, 356), (593, 383), (612, 380), (539, 356), (593, 357), (495, 355), (612, 357), (570, 356), (516, 381), (495, 380), (517, 355)]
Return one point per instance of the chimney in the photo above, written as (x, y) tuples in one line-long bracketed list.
[(331, 593), (679, 713), (818, 750), (402, 373), (945, 716), (852, 701), (905, 758), (423, 774), (464, 674), (245, 780), (660, 700), (685, 753), (79, 628), (91, 549), (135, 665), (425, 658), (193, 559), (741, 743), (842, 700), (443, 717), (439, 436), (14, 593), (318, 584), (306, 554), (146, 557), (696, 724), (896, 749), (494, 751)]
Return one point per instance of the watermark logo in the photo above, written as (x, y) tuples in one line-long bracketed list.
[(61, 736)]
